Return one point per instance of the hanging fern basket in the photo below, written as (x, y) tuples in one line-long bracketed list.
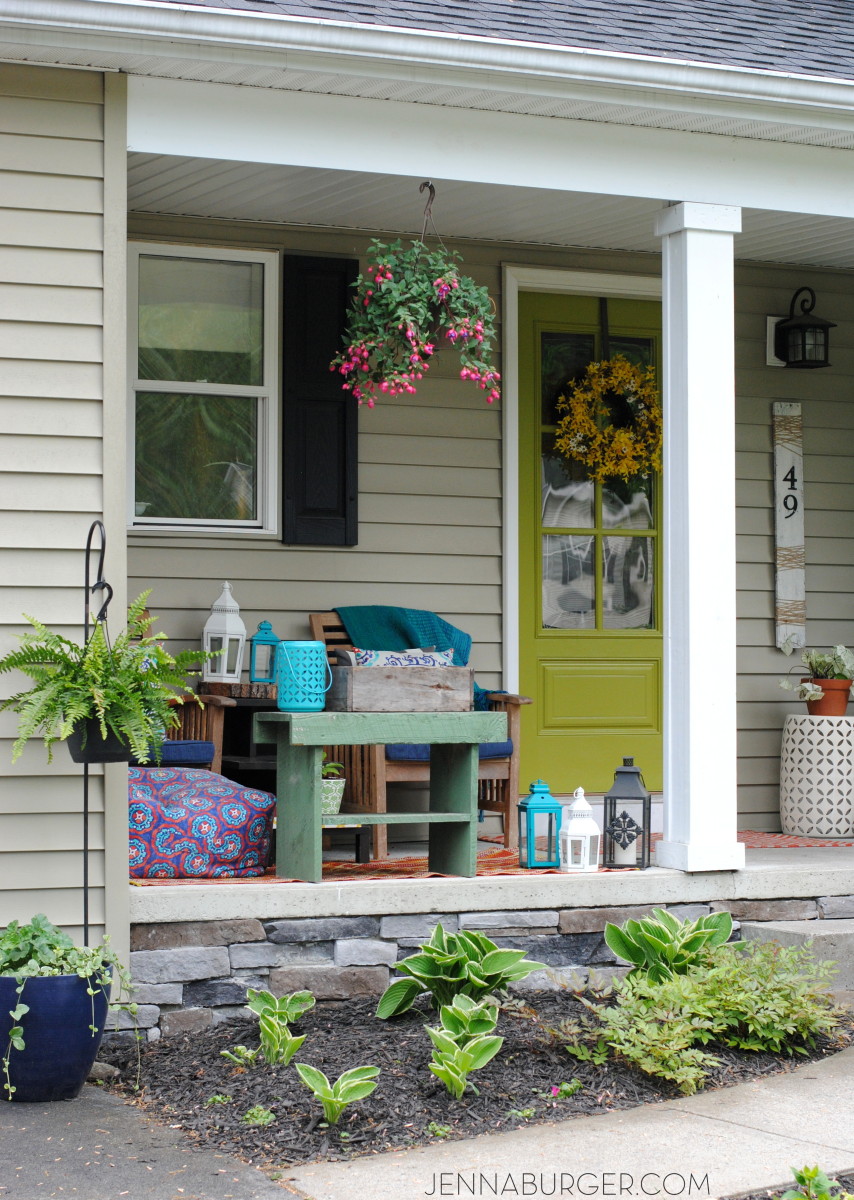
[(87, 744)]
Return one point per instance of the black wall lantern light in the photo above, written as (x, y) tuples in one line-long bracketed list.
[(803, 341)]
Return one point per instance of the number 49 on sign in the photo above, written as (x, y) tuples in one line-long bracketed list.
[(790, 560)]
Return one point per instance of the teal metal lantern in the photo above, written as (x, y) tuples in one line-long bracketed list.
[(262, 655), (539, 828)]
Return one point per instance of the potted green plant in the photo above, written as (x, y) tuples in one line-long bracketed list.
[(410, 299), (331, 788), (54, 998), (827, 686), (107, 701)]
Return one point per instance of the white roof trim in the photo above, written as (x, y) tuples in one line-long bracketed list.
[(168, 32)]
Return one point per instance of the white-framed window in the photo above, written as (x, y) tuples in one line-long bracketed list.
[(203, 385)]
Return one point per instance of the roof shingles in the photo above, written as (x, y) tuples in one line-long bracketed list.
[(778, 35)]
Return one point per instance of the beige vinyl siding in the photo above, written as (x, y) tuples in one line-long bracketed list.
[(429, 503), (430, 497), (52, 256), (828, 419)]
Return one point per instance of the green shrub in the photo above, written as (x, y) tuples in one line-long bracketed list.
[(752, 996), (664, 946), (454, 964)]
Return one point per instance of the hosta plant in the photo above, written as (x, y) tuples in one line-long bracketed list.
[(410, 301), (663, 946), (278, 1044), (453, 964), (355, 1084), (463, 1042), (129, 687)]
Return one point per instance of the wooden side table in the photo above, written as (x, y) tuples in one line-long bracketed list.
[(817, 776), (451, 818)]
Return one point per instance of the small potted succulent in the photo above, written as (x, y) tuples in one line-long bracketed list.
[(827, 686), (54, 998), (109, 702), (331, 788)]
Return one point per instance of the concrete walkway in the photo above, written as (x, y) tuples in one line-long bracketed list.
[(99, 1148), (715, 1144)]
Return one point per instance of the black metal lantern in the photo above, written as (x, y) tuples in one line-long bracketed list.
[(628, 820), (803, 341)]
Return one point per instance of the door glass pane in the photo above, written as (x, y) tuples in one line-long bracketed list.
[(563, 357), (200, 320), (569, 583), (638, 350), (567, 495), (627, 503), (196, 456), (627, 584)]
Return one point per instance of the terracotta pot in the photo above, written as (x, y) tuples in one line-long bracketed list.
[(834, 702)]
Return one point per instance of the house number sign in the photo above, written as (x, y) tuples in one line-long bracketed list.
[(790, 557)]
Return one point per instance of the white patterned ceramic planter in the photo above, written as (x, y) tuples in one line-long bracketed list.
[(331, 794), (817, 776)]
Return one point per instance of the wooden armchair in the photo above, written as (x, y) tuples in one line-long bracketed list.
[(368, 770), (201, 720)]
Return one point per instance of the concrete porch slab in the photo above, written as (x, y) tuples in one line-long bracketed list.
[(767, 874)]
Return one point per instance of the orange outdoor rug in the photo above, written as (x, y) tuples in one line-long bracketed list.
[(489, 862)]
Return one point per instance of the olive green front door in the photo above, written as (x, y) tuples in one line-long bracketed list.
[(590, 641)]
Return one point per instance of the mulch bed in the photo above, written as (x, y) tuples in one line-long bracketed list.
[(179, 1074)]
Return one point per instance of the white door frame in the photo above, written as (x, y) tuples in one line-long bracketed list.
[(516, 279)]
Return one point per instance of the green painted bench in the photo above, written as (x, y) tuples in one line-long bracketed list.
[(452, 816)]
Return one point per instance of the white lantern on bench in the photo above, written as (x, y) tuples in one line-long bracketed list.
[(224, 632)]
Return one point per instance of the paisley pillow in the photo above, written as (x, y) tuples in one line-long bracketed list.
[(188, 823)]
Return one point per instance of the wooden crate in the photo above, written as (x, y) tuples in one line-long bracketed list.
[(401, 689)]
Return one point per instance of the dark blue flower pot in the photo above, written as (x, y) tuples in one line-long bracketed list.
[(60, 1046)]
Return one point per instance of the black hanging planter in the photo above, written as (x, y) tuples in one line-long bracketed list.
[(87, 745)]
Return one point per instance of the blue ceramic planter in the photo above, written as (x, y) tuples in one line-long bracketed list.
[(60, 1046)]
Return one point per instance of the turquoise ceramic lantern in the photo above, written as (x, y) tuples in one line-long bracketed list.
[(262, 656), (539, 828)]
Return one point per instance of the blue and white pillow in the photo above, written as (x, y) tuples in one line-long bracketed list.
[(396, 658)]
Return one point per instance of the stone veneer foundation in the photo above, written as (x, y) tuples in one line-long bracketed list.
[(189, 975)]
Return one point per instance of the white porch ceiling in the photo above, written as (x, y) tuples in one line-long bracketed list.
[(352, 199)]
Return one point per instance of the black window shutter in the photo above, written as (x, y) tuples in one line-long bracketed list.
[(319, 419)]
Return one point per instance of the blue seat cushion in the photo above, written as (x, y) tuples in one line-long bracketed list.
[(409, 752), (186, 754)]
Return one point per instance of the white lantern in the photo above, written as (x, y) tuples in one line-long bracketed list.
[(579, 838), (224, 631)]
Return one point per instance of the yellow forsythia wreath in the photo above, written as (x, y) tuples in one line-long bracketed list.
[(586, 433)]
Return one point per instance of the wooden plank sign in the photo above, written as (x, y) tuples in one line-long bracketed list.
[(790, 554)]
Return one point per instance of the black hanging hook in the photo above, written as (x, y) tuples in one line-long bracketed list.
[(100, 584), (428, 207)]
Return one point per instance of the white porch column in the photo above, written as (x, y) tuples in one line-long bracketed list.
[(699, 531)]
